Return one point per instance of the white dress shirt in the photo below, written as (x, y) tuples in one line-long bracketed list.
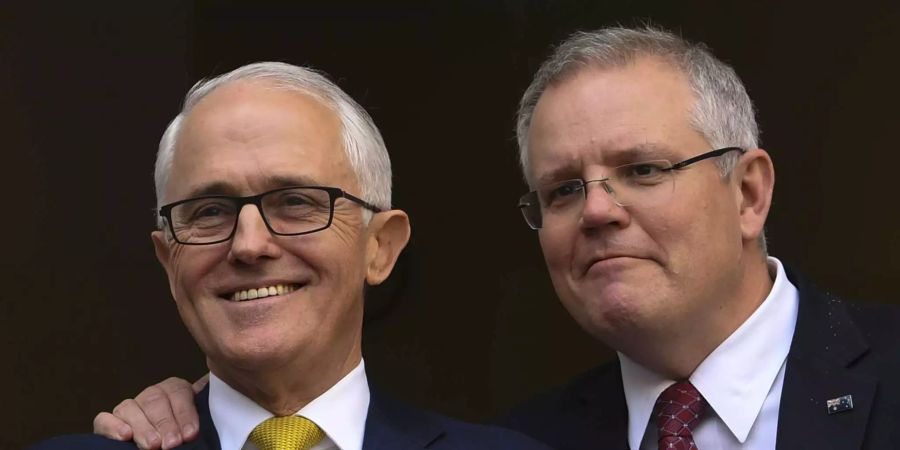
[(340, 412), (741, 380)]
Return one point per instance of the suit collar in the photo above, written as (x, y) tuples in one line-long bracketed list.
[(209, 437), (340, 411), (826, 345), (393, 426), (825, 330), (389, 426)]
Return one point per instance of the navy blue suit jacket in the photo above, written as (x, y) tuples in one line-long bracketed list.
[(838, 349), (389, 426)]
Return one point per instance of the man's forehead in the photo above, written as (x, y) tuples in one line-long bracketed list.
[(611, 116), (643, 83), (244, 138), (249, 105)]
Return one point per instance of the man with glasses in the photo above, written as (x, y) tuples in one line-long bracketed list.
[(274, 191), (649, 194), (649, 197)]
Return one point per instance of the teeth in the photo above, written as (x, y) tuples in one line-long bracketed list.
[(267, 291)]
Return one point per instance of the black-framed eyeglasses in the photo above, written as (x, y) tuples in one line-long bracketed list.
[(645, 183), (287, 211)]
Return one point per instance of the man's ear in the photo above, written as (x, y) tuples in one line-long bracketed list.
[(388, 234), (163, 255), (755, 175)]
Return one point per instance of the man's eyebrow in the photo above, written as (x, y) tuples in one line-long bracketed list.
[(213, 188), (638, 153), (279, 181), (612, 158), (560, 173), (271, 182)]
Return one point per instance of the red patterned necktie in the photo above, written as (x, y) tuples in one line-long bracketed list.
[(678, 410)]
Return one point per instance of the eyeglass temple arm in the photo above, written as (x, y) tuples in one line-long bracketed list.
[(361, 202), (703, 156)]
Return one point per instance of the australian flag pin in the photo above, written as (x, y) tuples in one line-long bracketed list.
[(840, 404)]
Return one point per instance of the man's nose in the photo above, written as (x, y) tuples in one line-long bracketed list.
[(600, 207), (252, 239)]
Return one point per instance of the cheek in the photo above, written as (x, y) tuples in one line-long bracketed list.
[(667, 230), (693, 236), (190, 265), (557, 249), (337, 295), (337, 261)]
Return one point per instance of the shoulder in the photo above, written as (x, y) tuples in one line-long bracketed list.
[(877, 324), (880, 323), (82, 442), (574, 409), (597, 382), (392, 424), (465, 435)]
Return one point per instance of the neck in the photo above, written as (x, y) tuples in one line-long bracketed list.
[(677, 354), (286, 389)]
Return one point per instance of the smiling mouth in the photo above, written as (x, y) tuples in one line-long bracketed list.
[(262, 292)]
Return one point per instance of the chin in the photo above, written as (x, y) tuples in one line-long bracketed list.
[(609, 311), (255, 350), (251, 359)]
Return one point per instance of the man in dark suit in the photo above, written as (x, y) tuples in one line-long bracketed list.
[(273, 190), (649, 196)]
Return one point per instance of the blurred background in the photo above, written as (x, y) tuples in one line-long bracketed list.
[(468, 324)]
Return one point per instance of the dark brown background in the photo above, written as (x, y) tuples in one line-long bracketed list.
[(469, 324)]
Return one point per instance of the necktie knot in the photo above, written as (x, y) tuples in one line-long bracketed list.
[(286, 433), (678, 410)]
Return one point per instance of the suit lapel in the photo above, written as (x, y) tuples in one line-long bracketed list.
[(392, 426), (825, 346)]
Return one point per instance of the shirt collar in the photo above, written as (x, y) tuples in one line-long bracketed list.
[(736, 377), (340, 411)]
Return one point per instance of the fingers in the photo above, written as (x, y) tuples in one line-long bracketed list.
[(180, 396), (161, 416), (157, 405), (143, 432), (106, 424), (200, 383)]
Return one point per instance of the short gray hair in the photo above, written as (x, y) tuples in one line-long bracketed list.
[(722, 112), (362, 141)]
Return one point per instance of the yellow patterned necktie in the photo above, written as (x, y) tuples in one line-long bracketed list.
[(286, 433)]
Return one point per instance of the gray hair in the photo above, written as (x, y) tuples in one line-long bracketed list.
[(722, 112), (362, 141)]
